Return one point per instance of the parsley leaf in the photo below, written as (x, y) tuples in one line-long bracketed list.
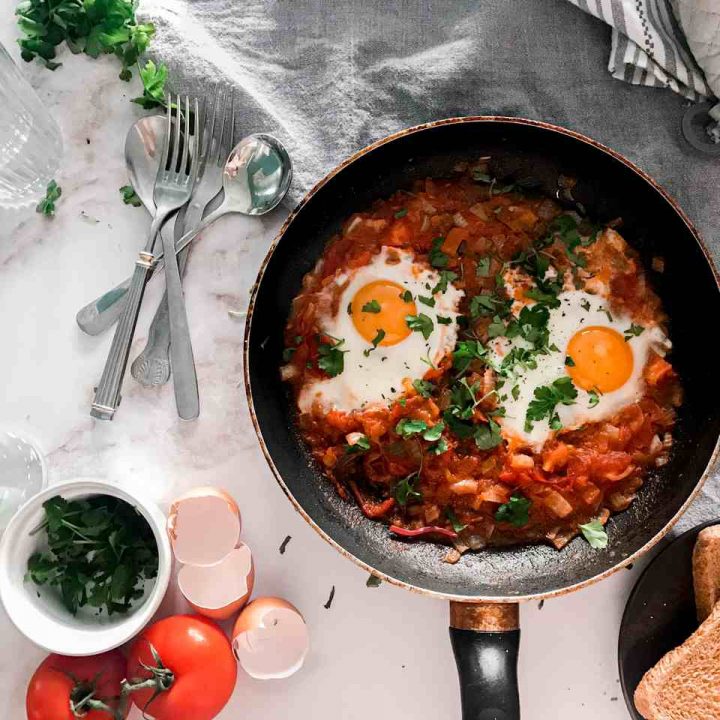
[(446, 276), (482, 269), (432, 434), (129, 196), (153, 80), (406, 296), (406, 491), (442, 320), (423, 387), (488, 436), (546, 398), (429, 301), (371, 307), (47, 205), (362, 444), (420, 323), (401, 213), (331, 358), (633, 331), (595, 534), (439, 447), (288, 353), (515, 511), (407, 427), (594, 398), (466, 351), (457, 526), (437, 258), (375, 342), (569, 361)]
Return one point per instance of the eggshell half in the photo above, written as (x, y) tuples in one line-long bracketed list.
[(204, 526), (270, 639), (218, 591)]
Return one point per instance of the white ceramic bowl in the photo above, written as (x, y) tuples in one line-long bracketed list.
[(43, 619)]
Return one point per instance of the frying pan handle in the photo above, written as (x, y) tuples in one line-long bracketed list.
[(485, 639)]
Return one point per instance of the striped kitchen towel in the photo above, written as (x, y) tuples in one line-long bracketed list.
[(648, 46)]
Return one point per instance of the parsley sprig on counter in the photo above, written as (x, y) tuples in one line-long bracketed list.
[(100, 552)]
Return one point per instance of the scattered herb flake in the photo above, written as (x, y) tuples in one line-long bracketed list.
[(52, 194), (373, 581), (284, 544), (446, 276), (430, 302), (482, 269), (375, 342), (420, 323), (406, 491), (129, 196), (401, 213), (595, 534), (516, 511), (330, 599), (457, 526), (423, 387), (331, 359), (437, 258), (634, 331), (545, 400), (569, 361), (408, 427), (371, 307)]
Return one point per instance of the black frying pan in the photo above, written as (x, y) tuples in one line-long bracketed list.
[(485, 587)]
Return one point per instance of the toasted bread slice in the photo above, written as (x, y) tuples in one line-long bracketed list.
[(685, 683), (706, 570)]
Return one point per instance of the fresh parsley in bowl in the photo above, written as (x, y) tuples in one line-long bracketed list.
[(84, 565), (101, 551)]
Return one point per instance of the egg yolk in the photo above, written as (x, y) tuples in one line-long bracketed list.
[(601, 359), (384, 309)]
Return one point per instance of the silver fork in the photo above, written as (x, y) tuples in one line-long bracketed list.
[(152, 365), (173, 187)]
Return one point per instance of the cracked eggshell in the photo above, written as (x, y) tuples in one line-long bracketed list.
[(204, 526), (219, 591), (270, 639)]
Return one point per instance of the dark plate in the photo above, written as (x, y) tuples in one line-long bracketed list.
[(660, 612)]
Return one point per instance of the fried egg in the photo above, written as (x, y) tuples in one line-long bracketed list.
[(382, 348), (603, 354)]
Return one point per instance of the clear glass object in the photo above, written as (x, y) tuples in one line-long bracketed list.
[(22, 474), (30, 140)]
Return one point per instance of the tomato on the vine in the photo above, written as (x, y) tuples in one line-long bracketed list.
[(192, 669), (66, 688)]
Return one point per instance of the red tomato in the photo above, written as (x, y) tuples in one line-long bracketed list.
[(60, 679), (202, 663)]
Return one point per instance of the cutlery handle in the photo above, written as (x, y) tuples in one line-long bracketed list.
[(107, 394), (101, 313), (182, 361)]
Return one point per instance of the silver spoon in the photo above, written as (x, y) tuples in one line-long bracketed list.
[(256, 178), (143, 147)]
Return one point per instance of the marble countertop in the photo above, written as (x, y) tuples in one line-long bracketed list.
[(379, 652)]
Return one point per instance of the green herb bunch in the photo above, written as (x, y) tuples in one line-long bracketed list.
[(93, 27), (100, 552)]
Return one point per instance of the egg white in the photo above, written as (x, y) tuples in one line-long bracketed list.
[(378, 377), (577, 310)]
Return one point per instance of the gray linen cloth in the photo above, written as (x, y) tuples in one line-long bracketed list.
[(330, 76)]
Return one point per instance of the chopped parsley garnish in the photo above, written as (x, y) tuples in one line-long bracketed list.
[(585, 305), (595, 534), (594, 398), (406, 491), (515, 511), (515, 392), (531, 325), (633, 331), (541, 296), (546, 398), (457, 526), (129, 196), (439, 447), (432, 434), (430, 302), (488, 436), (331, 357), (482, 269), (437, 258), (406, 296), (442, 320), (288, 353), (569, 361), (362, 444), (47, 205), (371, 307), (420, 323), (375, 342), (566, 229), (401, 213), (466, 351), (423, 387), (446, 276), (484, 305), (407, 427)]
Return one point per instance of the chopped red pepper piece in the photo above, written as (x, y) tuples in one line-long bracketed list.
[(423, 531)]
